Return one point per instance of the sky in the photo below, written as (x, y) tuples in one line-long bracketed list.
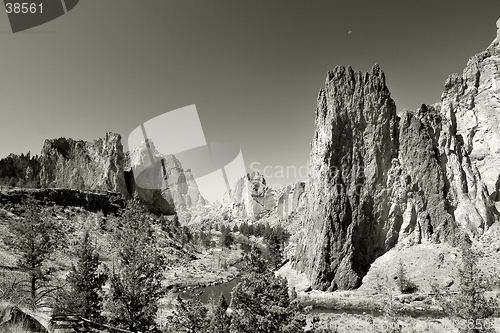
[(252, 68)]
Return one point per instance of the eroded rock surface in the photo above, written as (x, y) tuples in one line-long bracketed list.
[(249, 198), (102, 166), (96, 165), (378, 180), (176, 190), (473, 99)]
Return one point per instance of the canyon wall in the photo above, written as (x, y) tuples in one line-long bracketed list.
[(378, 180)]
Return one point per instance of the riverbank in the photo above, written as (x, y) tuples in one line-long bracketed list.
[(212, 267)]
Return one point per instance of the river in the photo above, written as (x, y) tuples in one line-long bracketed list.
[(205, 293)]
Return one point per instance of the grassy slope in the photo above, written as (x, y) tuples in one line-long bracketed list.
[(187, 266)]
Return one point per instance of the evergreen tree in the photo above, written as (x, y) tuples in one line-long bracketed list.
[(226, 238), (34, 237), (251, 230), (261, 303), (274, 249), (189, 316), (471, 305), (235, 228), (86, 283), (220, 322), (405, 285), (136, 284), (204, 240), (267, 232), (255, 262)]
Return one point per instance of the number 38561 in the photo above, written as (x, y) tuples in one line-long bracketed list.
[(23, 8)]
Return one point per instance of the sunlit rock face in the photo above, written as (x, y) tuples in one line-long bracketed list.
[(289, 199), (473, 100), (96, 165), (174, 190), (353, 147), (378, 180), (101, 165), (250, 198)]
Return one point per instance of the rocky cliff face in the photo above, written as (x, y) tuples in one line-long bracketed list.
[(378, 180), (290, 199), (96, 165), (251, 199), (176, 190), (473, 99), (101, 165)]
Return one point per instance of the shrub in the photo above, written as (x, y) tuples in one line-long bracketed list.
[(470, 307), (405, 285)]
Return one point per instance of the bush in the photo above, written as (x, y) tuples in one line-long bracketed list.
[(405, 285), (470, 305)]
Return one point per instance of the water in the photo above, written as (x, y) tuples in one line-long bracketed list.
[(226, 288), (217, 290)]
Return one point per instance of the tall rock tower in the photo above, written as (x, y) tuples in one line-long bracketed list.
[(378, 180)]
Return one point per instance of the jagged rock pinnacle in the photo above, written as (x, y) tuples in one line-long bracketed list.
[(377, 180)]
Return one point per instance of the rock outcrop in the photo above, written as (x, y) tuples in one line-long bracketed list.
[(102, 166), (290, 199), (473, 99), (106, 203), (250, 198), (354, 144), (174, 189), (378, 180), (96, 165)]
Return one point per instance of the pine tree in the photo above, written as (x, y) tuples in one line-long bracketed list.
[(226, 238), (405, 285), (136, 283), (261, 303), (189, 316), (86, 282), (470, 305), (274, 249), (220, 322), (35, 238), (255, 262)]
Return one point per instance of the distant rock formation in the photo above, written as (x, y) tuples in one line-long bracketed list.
[(176, 192), (250, 198), (378, 180), (290, 199), (96, 165), (102, 166)]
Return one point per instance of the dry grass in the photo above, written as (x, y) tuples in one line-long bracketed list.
[(43, 316)]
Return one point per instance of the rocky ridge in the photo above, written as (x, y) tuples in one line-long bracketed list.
[(251, 199), (102, 166), (96, 165), (176, 190), (378, 180)]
